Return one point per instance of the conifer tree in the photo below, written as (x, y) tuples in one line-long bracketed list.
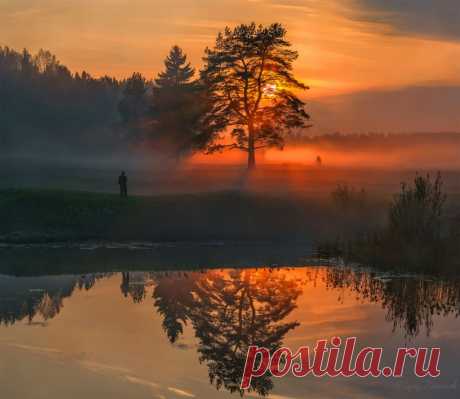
[(175, 108), (178, 72)]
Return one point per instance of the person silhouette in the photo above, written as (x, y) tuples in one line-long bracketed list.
[(319, 161), (123, 183)]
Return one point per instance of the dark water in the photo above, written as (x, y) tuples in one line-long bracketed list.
[(183, 334)]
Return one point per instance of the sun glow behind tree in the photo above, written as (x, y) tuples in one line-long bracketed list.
[(252, 89)]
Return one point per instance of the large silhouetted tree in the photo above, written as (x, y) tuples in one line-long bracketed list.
[(251, 87)]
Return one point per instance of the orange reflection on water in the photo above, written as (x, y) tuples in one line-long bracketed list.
[(169, 334)]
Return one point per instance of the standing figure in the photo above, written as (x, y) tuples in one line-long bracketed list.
[(319, 161), (123, 183)]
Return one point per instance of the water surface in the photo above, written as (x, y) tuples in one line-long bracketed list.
[(183, 334)]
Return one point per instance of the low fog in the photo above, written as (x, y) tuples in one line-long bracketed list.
[(378, 163)]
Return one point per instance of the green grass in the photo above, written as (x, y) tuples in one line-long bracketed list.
[(354, 232), (50, 215)]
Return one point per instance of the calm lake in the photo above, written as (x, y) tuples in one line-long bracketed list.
[(116, 332)]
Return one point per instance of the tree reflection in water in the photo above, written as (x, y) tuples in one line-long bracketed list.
[(230, 310), (133, 284), (411, 302), (40, 297), (173, 296)]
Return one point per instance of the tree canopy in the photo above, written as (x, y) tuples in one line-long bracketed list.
[(175, 109), (132, 106), (252, 89), (178, 72)]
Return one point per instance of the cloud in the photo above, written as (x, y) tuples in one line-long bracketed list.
[(180, 392), (103, 368), (428, 18), (139, 381), (35, 348)]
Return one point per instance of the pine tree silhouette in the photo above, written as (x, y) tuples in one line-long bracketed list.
[(176, 107), (178, 71)]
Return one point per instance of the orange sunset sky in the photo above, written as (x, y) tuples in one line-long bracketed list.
[(345, 46)]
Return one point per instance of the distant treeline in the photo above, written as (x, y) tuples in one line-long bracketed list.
[(370, 141)]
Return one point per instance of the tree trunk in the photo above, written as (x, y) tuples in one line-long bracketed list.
[(251, 158), (251, 149)]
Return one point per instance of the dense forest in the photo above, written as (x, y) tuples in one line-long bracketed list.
[(44, 107), (43, 104)]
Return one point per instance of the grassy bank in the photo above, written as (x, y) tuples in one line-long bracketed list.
[(49, 215)]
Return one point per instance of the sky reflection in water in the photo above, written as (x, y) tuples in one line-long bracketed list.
[(184, 334)]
